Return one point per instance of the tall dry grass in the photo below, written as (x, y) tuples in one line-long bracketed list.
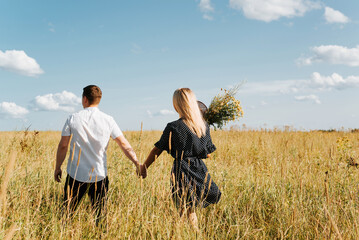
[(5, 181), (285, 185)]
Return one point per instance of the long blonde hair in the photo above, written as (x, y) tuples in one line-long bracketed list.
[(185, 103)]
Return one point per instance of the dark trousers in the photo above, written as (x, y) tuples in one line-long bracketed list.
[(75, 190)]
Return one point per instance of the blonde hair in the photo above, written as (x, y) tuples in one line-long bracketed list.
[(185, 103)]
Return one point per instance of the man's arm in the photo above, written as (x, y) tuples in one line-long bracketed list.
[(60, 156), (128, 151)]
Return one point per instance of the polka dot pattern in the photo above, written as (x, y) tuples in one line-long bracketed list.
[(191, 183)]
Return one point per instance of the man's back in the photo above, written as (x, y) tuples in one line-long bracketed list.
[(91, 131)]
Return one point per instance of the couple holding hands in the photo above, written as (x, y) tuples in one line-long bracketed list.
[(187, 139)]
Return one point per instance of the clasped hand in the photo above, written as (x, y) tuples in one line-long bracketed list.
[(141, 171)]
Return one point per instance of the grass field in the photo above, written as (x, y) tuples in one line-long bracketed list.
[(275, 184)]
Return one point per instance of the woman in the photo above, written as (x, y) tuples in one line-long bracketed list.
[(188, 140)]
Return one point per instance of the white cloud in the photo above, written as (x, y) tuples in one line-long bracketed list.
[(334, 16), (12, 110), (51, 27), (270, 10), (136, 49), (271, 87), (149, 113), (65, 101), (333, 54), (18, 62), (335, 81), (316, 83), (312, 98), (206, 7), (163, 112), (207, 17)]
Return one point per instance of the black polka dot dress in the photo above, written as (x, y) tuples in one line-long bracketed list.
[(191, 183)]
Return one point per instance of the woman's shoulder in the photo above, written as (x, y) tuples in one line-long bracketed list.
[(175, 123), (175, 126)]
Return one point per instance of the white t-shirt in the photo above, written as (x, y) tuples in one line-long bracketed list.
[(91, 130)]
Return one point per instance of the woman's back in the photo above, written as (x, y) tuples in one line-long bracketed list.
[(178, 140)]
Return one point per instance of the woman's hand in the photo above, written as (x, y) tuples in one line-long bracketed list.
[(141, 171), (58, 174)]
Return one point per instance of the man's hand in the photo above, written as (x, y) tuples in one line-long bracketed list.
[(141, 171), (60, 156), (58, 175)]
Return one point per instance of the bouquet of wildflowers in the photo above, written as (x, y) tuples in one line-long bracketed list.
[(224, 108)]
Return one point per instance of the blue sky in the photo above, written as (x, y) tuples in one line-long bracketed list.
[(298, 59)]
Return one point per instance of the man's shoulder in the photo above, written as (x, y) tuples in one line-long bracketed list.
[(77, 114), (94, 112), (104, 115), (72, 115)]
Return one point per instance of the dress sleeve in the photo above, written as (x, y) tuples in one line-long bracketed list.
[(163, 143), (210, 146)]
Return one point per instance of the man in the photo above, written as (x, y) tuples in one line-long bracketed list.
[(91, 130)]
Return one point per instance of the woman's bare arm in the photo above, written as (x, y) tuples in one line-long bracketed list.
[(154, 154)]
